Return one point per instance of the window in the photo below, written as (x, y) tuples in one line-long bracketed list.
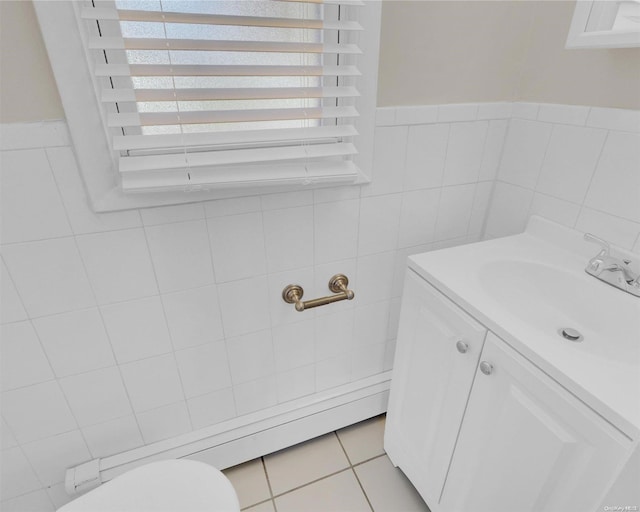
[(188, 100)]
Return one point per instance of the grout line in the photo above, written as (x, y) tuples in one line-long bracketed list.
[(266, 474)]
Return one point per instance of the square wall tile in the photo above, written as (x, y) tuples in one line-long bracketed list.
[(304, 462), (31, 206), (52, 456), (152, 382), (333, 334), (97, 396), (37, 501), (464, 152), (212, 408), (232, 206), (379, 220), (286, 200), (164, 422), (331, 194), (118, 265), (137, 329), (114, 436), (614, 119), (23, 360), (8, 440), (615, 188), (481, 203), (250, 482), (454, 211), (375, 277), (193, 317), (204, 368), (181, 255), (75, 342), (36, 412), (237, 298), (557, 210), (251, 356), (509, 210), (336, 230), (296, 383), (364, 440), (288, 238), (172, 213), (256, 395), (237, 244), (387, 488), (293, 345), (389, 151), (416, 114), (49, 276), (418, 217), (12, 309), (523, 153), (333, 372), (367, 360), (493, 149), (371, 322), (17, 475), (426, 153), (81, 216), (338, 492), (618, 231), (570, 161)]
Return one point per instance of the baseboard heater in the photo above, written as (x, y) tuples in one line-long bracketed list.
[(250, 436)]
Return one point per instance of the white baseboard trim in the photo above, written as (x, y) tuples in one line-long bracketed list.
[(247, 437)]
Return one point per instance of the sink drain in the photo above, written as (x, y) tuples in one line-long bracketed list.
[(570, 334)]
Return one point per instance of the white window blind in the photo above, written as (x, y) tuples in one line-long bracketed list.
[(211, 94)]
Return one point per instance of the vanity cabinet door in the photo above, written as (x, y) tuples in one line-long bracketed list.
[(527, 444), (437, 351)]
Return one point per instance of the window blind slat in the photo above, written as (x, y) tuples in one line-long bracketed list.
[(204, 94), (227, 116), (189, 140), (150, 43), (106, 70), (102, 13), (234, 156), (242, 176)]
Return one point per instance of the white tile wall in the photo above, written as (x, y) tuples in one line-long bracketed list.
[(190, 329), (578, 166)]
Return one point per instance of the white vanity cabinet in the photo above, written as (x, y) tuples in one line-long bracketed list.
[(484, 429), (527, 444), (437, 354)]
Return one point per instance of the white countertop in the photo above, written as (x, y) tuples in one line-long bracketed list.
[(526, 287)]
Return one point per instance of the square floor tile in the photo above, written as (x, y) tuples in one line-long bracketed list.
[(339, 492), (267, 506), (250, 482), (387, 488), (363, 440), (304, 463)]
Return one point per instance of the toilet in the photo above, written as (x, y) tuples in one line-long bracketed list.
[(169, 485)]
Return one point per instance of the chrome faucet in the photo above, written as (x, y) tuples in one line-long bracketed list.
[(612, 270)]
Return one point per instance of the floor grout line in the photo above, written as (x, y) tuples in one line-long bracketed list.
[(266, 474), (354, 471)]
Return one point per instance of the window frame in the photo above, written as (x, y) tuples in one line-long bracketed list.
[(65, 43)]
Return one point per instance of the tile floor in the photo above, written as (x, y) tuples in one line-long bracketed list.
[(345, 471)]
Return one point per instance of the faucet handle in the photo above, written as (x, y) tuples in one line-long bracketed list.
[(602, 243)]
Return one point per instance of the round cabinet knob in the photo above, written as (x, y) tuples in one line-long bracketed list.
[(486, 368), (462, 346)]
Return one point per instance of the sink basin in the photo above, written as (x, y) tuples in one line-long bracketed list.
[(549, 298)]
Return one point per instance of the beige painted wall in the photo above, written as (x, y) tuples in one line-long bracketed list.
[(28, 91), (431, 52), (465, 51)]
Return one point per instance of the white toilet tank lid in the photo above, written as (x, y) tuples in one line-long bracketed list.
[(164, 486)]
